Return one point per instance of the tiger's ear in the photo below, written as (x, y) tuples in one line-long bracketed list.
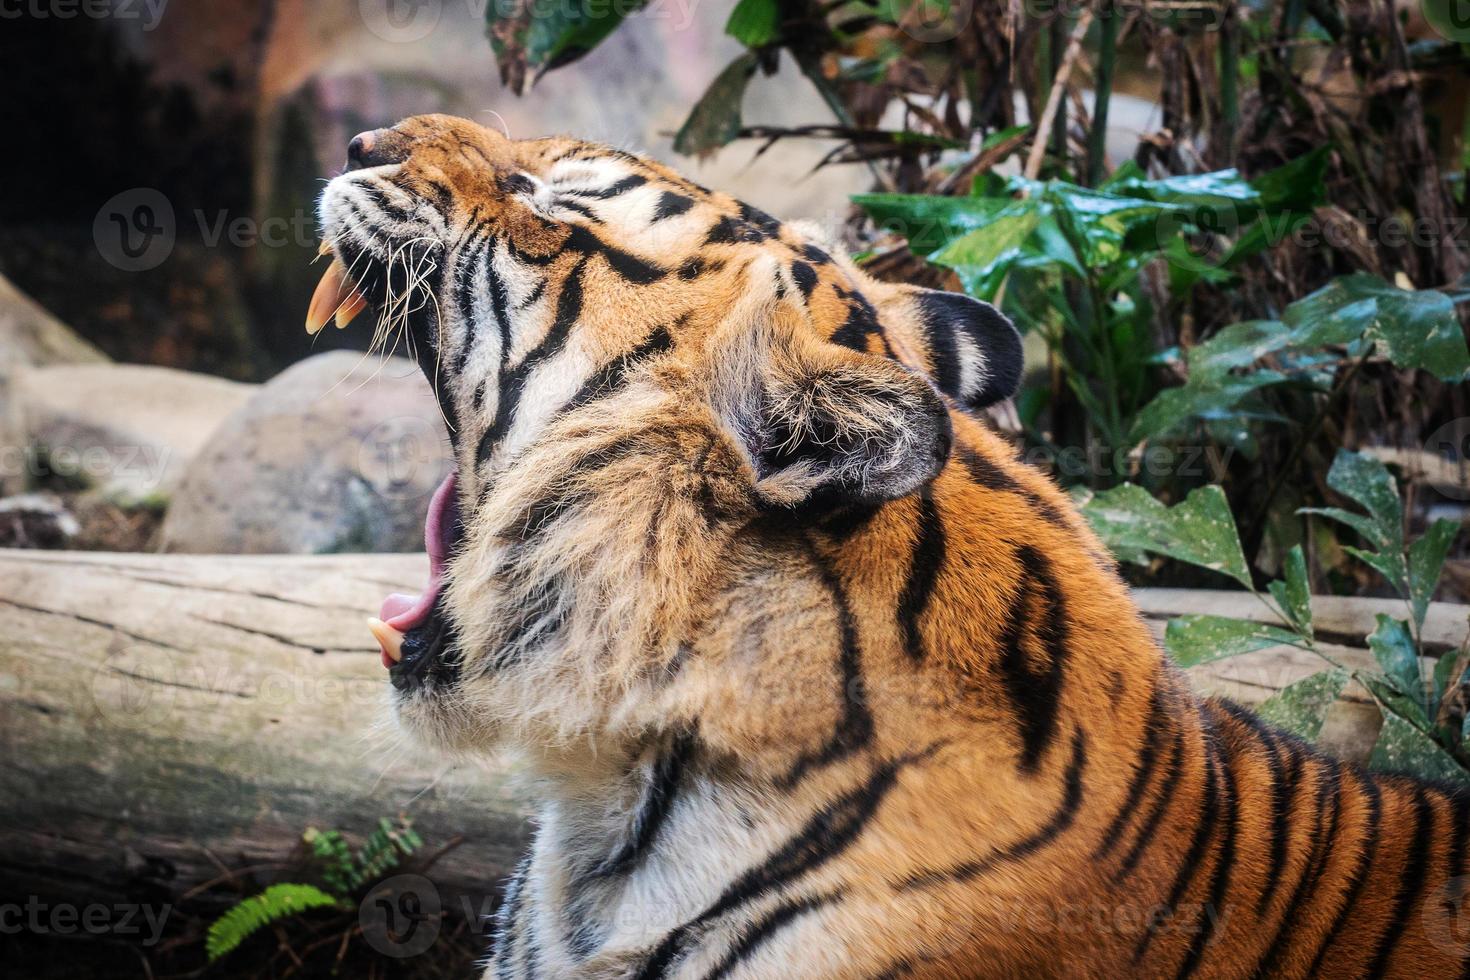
[(826, 426), (974, 350)]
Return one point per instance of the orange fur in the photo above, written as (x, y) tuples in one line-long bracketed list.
[(915, 727)]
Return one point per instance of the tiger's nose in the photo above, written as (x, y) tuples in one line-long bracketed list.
[(377, 148), (360, 149)]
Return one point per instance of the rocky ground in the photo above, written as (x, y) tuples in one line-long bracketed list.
[(338, 453)]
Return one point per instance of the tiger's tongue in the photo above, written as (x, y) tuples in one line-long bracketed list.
[(400, 612)]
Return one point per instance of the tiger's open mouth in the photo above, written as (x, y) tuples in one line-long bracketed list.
[(413, 631)]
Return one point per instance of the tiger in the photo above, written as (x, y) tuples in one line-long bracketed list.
[(808, 674)]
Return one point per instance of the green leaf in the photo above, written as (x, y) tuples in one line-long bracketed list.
[(1390, 696), (928, 221), (982, 257), (1220, 187), (1298, 185), (715, 119), (1301, 707), (1398, 658), (251, 915), (755, 23), (1240, 345), (1002, 135), (1365, 480), (1412, 328), (530, 39), (1388, 564), (1206, 398), (1444, 679), (1294, 595), (1426, 559), (1195, 639), (1404, 748), (1200, 531)]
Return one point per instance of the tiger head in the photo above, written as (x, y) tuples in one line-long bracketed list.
[(657, 398)]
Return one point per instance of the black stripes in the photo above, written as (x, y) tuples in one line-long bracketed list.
[(513, 381), (925, 563), (671, 205), (1173, 770), (855, 725), (753, 936), (508, 923), (1318, 850), (623, 186), (609, 378), (730, 230), (828, 833), (1219, 875), (805, 278), (1410, 884), (989, 475), (1189, 865), (1369, 836), (1283, 765), (659, 794), (466, 286), (1060, 820), (1143, 771), (638, 271), (1033, 654)]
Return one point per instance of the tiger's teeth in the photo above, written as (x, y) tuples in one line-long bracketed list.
[(350, 308), (388, 638), (332, 294)]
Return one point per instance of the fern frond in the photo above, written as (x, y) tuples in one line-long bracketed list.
[(246, 917), (331, 849)]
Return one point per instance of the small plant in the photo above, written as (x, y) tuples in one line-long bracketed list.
[(249, 916), (343, 871), (1068, 262), (1423, 732)]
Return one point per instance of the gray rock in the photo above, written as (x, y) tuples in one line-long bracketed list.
[(340, 452), (29, 336), (126, 430)]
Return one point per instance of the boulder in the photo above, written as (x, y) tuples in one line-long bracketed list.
[(127, 430), (338, 453), (29, 336)]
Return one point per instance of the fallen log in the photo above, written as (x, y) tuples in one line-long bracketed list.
[(166, 716)]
